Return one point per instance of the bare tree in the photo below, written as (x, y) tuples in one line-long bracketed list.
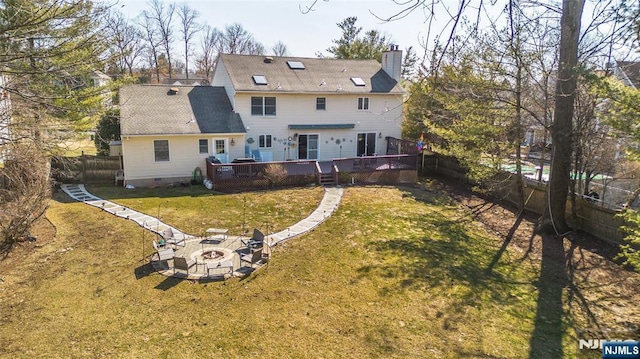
[(189, 28), (152, 38), (162, 17), (280, 49), (210, 45), (237, 40), (125, 39)]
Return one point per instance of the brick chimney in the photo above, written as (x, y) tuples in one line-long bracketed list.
[(392, 62)]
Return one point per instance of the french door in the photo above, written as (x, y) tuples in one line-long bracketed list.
[(308, 147), (366, 144)]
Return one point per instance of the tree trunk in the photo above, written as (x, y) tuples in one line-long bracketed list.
[(554, 219), (186, 59)]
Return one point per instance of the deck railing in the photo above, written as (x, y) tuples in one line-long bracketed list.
[(249, 175)]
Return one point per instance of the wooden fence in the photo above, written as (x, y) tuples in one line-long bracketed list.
[(591, 216), (85, 169)]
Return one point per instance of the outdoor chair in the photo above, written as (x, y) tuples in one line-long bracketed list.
[(256, 241), (119, 178), (162, 255), (252, 258), (182, 263), (172, 238)]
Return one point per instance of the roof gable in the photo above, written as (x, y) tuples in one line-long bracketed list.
[(631, 71), (310, 75)]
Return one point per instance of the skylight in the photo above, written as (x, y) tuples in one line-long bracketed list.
[(260, 79), (296, 65), (358, 81)]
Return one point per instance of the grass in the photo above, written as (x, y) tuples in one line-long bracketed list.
[(394, 273), (77, 147)]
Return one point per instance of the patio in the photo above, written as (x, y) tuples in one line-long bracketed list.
[(216, 257)]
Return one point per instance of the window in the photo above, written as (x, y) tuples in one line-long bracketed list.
[(269, 106), (161, 150), (256, 106), (264, 141), (296, 65), (363, 103), (260, 79), (358, 81), (220, 147), (263, 106), (203, 144), (321, 103)]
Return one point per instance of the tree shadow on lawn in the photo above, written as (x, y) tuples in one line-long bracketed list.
[(453, 264), (567, 298), (454, 257)]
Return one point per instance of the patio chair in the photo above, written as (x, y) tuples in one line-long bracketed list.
[(119, 178), (256, 241), (252, 258), (162, 255), (172, 238), (182, 263)]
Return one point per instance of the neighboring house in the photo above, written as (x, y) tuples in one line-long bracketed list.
[(187, 82), (268, 108), (98, 78), (628, 72)]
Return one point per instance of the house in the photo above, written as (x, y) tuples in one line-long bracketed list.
[(185, 81), (167, 132), (98, 78), (628, 72), (267, 108)]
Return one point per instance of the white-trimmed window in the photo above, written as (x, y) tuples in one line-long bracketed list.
[(263, 106), (264, 141), (363, 103), (321, 103), (203, 146), (161, 150), (220, 146)]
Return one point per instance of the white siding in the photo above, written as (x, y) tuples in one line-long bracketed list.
[(383, 117), (184, 156), (221, 78)]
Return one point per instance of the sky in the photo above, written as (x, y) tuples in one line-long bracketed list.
[(270, 21)]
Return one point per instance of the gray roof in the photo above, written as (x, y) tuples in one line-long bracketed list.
[(632, 71), (152, 110), (184, 81), (319, 75)]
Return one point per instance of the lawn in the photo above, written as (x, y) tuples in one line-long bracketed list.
[(394, 273)]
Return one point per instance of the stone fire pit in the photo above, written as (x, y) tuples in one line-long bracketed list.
[(212, 254)]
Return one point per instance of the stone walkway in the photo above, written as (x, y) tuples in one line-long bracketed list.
[(193, 246)]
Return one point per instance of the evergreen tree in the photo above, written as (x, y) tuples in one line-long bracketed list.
[(353, 46), (48, 49)]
